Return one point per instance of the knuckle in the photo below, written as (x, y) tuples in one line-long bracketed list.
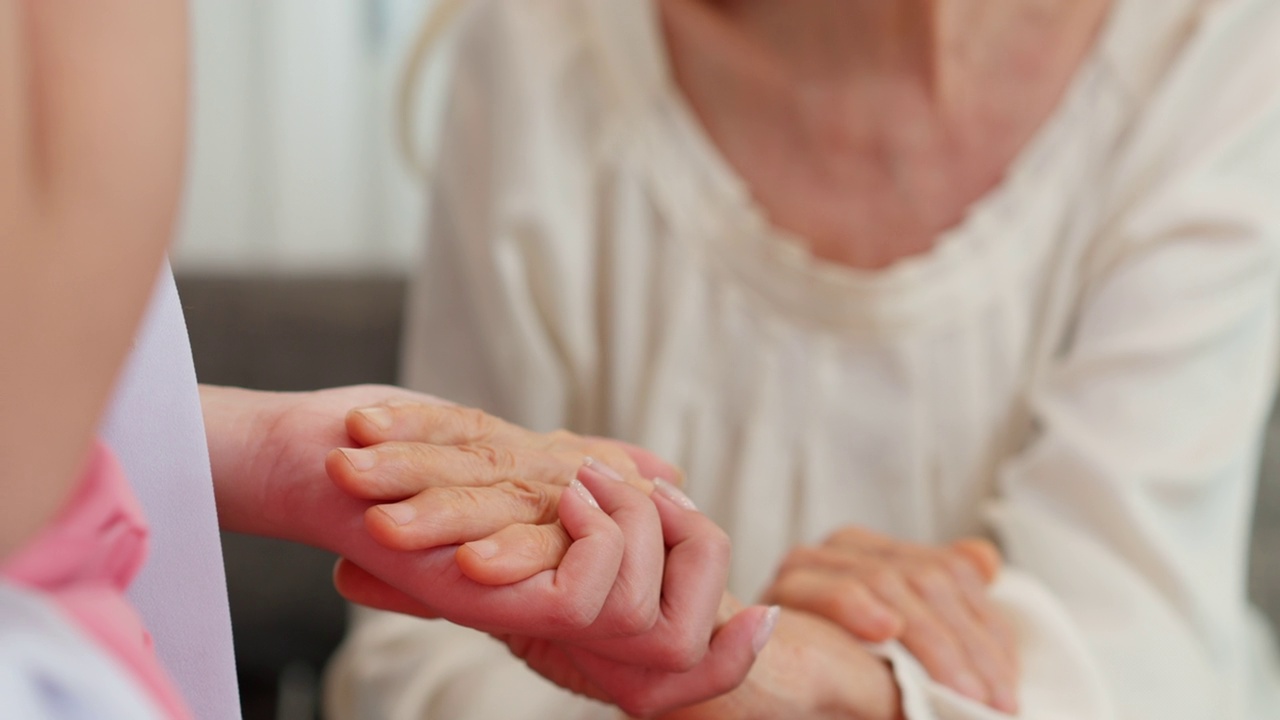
[(886, 581), (840, 600), (800, 557), (426, 456), (958, 565), (461, 506), (534, 500), (545, 544), (494, 458), (541, 544), (935, 646), (473, 423), (933, 583)]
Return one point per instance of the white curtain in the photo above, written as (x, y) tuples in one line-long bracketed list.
[(293, 164)]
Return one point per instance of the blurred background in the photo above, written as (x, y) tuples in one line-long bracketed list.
[(300, 221), (300, 225)]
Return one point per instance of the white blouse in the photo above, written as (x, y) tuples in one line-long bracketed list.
[(1081, 370)]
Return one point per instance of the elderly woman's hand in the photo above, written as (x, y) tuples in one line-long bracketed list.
[(658, 643), (449, 475), (933, 600)]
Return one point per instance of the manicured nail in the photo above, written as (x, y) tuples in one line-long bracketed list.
[(379, 417), (603, 469), (400, 513), (765, 630), (360, 459), (971, 687), (672, 493), (584, 493), (486, 549)]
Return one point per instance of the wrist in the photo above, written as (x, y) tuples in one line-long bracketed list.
[(814, 669), (267, 451), (268, 476), (236, 421)]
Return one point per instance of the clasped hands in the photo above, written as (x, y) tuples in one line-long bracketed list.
[(586, 559), (579, 553)]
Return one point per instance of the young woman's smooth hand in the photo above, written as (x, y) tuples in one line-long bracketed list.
[(658, 642), (932, 599)]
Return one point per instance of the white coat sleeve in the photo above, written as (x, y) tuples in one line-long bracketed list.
[(1125, 516), (496, 319)]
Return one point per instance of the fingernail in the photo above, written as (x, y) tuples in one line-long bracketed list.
[(582, 491), (971, 687), (603, 469), (379, 417), (672, 493), (400, 513), (765, 630), (360, 459), (486, 549)]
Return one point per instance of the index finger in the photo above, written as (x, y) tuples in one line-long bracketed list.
[(428, 423)]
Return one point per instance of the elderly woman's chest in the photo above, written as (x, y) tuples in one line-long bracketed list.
[(899, 424)]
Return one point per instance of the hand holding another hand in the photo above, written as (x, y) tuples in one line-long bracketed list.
[(617, 600)]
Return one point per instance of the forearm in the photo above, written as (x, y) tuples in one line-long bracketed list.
[(267, 452), (235, 422), (79, 248)]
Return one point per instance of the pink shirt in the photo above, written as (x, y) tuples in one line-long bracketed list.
[(85, 560)]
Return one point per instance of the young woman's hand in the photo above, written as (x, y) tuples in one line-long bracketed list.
[(933, 600), (659, 641)]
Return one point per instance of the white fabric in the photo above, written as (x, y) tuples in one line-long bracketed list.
[(1082, 369), (156, 428), (49, 670)]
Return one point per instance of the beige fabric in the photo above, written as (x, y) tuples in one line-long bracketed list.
[(1081, 369)]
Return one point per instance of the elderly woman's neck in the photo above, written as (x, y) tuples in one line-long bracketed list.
[(936, 41)]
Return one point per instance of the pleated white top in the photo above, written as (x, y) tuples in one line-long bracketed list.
[(1081, 370)]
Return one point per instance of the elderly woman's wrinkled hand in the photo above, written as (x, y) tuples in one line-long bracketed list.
[(933, 600), (450, 475)]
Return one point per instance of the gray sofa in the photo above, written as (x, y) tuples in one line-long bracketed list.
[(299, 334)]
